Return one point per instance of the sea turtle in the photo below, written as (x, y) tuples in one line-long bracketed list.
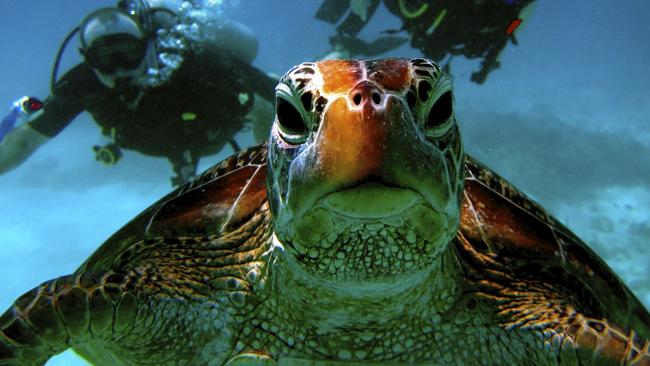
[(361, 233)]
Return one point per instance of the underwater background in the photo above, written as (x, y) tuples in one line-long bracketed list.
[(566, 119)]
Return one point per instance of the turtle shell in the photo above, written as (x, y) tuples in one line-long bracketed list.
[(221, 197), (502, 233)]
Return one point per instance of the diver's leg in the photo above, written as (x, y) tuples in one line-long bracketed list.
[(234, 144), (184, 166)]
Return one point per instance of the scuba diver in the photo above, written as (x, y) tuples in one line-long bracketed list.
[(440, 29), (154, 82)]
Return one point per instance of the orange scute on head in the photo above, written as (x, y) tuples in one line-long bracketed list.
[(351, 143), (340, 75), (390, 74)]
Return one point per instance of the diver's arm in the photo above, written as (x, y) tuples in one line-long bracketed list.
[(18, 145), (248, 76), (263, 110), (56, 114), (491, 60), (262, 83), (233, 46), (23, 140), (230, 45)]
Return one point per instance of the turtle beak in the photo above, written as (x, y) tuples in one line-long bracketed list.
[(369, 136), (352, 144)]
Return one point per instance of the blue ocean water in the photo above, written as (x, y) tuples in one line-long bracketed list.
[(566, 118)]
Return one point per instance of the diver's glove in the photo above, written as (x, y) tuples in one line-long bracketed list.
[(21, 111)]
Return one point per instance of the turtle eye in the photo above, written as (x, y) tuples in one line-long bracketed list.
[(307, 101), (291, 124), (439, 118)]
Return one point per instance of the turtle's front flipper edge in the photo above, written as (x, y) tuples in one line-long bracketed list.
[(64, 312), (600, 343)]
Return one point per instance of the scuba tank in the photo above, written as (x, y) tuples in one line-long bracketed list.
[(21, 111)]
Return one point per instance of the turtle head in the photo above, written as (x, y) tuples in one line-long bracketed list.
[(365, 167)]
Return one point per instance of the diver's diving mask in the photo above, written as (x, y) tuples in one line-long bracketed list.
[(117, 51), (112, 41)]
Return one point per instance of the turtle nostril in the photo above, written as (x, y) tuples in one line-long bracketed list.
[(376, 98), (357, 99)]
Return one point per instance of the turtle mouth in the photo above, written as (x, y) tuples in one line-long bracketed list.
[(369, 232), (371, 200)]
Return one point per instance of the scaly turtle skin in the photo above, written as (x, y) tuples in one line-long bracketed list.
[(361, 234)]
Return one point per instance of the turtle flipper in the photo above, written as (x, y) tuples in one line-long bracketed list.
[(64, 312), (601, 343)]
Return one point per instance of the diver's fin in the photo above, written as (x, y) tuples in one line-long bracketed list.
[(332, 11), (354, 22), (359, 13), (487, 65)]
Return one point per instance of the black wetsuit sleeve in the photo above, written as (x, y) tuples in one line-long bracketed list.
[(67, 102), (214, 65), (259, 81)]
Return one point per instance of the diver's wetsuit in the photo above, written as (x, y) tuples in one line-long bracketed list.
[(465, 27), (474, 29), (198, 110)]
